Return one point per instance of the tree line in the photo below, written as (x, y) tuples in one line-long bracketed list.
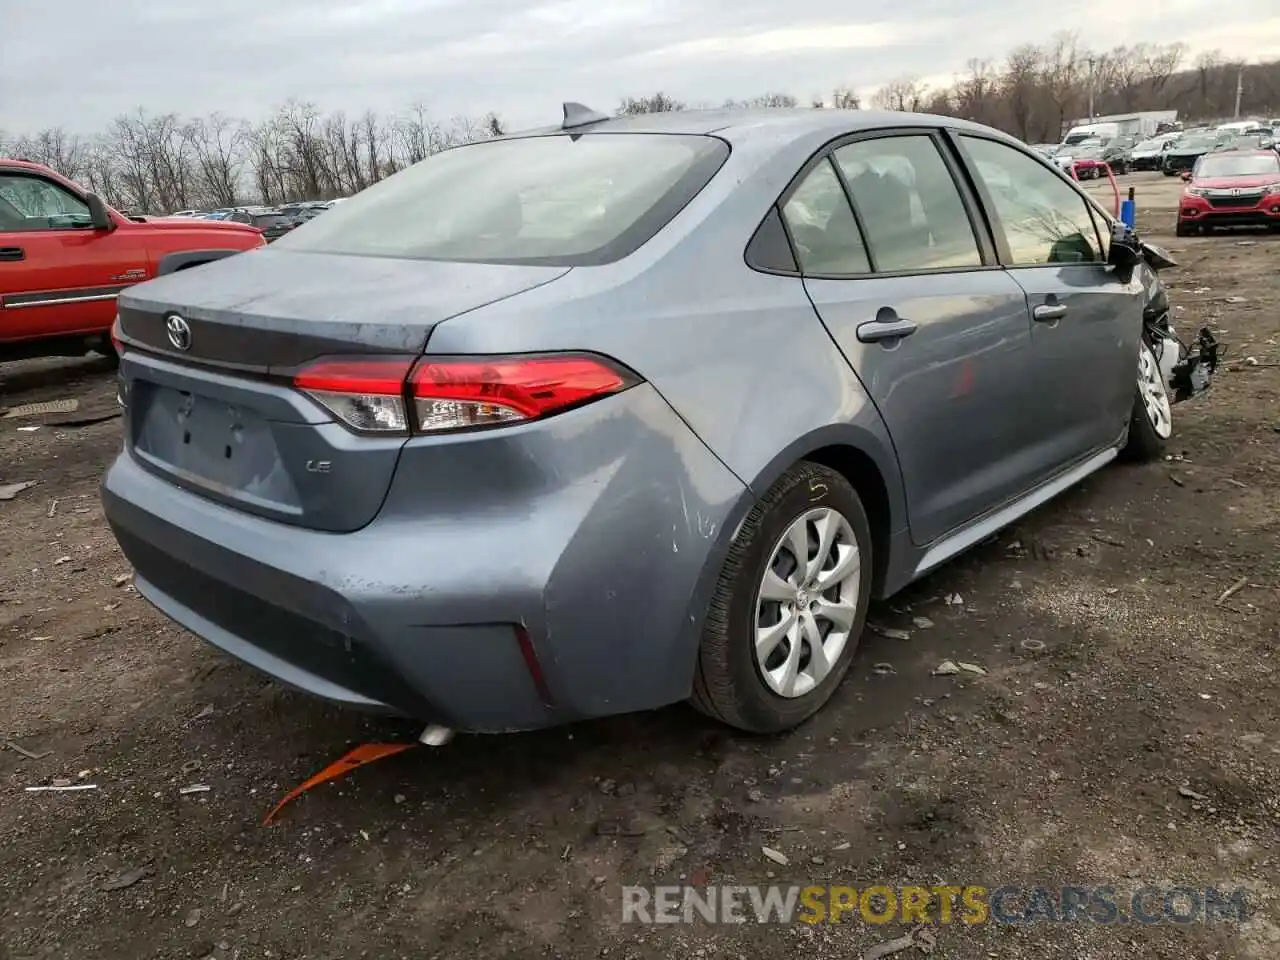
[(159, 163)]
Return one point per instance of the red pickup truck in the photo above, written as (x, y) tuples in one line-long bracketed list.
[(65, 255)]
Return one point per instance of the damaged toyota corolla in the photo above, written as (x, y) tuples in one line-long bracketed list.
[(629, 411)]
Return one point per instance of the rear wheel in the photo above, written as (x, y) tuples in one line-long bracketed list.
[(1151, 422), (790, 604), (1184, 229)]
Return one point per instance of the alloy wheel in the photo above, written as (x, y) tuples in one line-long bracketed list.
[(807, 602), (1155, 396)]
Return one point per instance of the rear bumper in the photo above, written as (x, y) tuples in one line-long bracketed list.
[(599, 532)]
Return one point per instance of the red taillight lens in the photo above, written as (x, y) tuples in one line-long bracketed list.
[(393, 395), (116, 342), (453, 394), (366, 394)]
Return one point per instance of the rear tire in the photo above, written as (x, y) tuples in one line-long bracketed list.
[(1183, 230), (1151, 421), (762, 589)]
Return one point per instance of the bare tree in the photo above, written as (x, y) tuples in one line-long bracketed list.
[(220, 147), (845, 98), (654, 103), (1021, 93), (904, 93), (156, 163), (54, 147), (765, 100)]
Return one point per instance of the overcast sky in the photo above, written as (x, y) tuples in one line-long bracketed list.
[(77, 63)]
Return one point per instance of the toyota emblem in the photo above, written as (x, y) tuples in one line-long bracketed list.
[(179, 332)]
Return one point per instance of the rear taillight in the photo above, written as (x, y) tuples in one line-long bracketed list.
[(116, 342), (389, 395)]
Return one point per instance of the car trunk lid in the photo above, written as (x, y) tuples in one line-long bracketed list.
[(212, 408)]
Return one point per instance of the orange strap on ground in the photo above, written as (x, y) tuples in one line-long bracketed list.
[(361, 755)]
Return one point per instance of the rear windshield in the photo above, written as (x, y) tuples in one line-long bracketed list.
[(1238, 165), (559, 200), (268, 220)]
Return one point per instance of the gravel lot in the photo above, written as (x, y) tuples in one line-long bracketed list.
[(1114, 678)]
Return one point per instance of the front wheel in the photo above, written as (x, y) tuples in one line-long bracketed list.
[(790, 604), (1151, 421)]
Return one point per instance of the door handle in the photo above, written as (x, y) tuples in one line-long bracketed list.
[(10, 254), (878, 330), (1049, 311)]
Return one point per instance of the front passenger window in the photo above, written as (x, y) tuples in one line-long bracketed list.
[(822, 227), (1045, 220)]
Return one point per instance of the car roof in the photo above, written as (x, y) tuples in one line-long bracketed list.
[(24, 164), (1247, 151), (765, 122)]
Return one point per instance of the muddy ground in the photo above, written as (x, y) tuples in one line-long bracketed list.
[(1114, 678)]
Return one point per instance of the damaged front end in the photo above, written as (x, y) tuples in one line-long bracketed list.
[(1188, 368)]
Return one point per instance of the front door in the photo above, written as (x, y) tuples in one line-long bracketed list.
[(58, 275), (938, 334), (1086, 320)]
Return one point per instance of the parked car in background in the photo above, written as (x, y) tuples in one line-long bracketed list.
[(1183, 154), (1249, 141), (489, 444), (1231, 188), (1083, 161), (1116, 153), (65, 256), (301, 211), (1091, 132), (1149, 154), (273, 224), (305, 214), (185, 213)]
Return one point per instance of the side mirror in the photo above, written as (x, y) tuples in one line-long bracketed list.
[(1125, 251), (99, 217)]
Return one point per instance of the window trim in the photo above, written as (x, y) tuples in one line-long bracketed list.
[(984, 238), (22, 173), (785, 198), (1001, 237)]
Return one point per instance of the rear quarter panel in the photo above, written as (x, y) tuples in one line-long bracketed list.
[(741, 356)]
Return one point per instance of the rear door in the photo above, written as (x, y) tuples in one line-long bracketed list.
[(1087, 320), (936, 330), (58, 275)]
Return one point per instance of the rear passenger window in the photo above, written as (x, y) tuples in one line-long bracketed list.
[(820, 220), (909, 204), (1044, 219)]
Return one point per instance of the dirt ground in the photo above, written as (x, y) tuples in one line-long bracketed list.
[(1114, 678)]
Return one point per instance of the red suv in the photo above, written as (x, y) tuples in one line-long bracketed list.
[(65, 255), (1231, 188)]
